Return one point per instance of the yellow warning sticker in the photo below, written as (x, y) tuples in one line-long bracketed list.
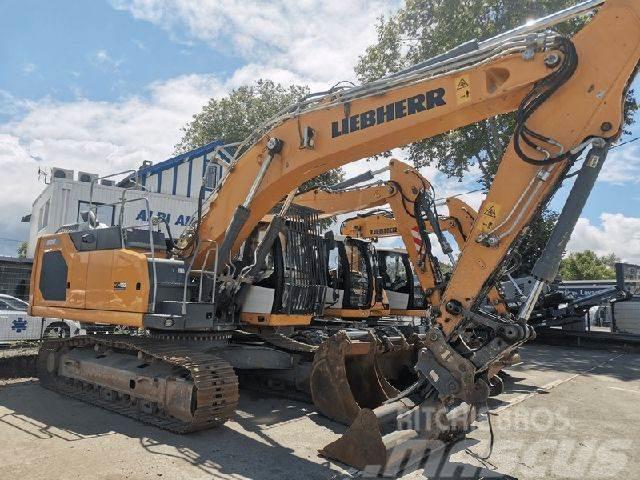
[(490, 212), (463, 89)]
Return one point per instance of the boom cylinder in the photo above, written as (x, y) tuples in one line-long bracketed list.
[(546, 267)]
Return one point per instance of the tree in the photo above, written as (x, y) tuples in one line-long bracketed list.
[(610, 260), (424, 28), (533, 242), (234, 117), (587, 266), (22, 250)]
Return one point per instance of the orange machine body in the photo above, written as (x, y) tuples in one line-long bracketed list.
[(110, 286)]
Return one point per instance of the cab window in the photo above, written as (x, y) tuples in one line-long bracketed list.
[(395, 278)]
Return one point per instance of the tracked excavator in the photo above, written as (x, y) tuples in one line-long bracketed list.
[(354, 256), (405, 292), (404, 185), (402, 286), (567, 95), (356, 291)]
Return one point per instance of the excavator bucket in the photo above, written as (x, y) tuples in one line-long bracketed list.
[(391, 438), (397, 362), (345, 377)]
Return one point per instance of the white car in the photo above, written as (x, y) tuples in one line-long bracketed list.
[(15, 324)]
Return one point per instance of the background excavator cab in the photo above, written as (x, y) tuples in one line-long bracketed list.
[(351, 278), (406, 296)]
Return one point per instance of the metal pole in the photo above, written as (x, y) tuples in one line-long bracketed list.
[(544, 22)]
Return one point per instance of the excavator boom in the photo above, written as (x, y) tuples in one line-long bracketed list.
[(405, 108)]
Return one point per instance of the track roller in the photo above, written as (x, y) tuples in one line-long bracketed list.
[(170, 385)]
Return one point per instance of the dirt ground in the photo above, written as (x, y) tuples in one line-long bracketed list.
[(567, 414), (22, 349)]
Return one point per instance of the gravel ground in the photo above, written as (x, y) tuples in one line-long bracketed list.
[(17, 350), (567, 414)]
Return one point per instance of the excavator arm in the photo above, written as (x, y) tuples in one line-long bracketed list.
[(551, 129), (382, 224), (338, 202), (401, 192), (565, 92), (327, 132)]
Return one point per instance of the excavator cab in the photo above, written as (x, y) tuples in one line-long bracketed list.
[(351, 278), (355, 275), (406, 296), (290, 283)]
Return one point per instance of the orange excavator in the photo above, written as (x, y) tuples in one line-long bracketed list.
[(227, 278), (378, 224), (354, 256), (402, 286)]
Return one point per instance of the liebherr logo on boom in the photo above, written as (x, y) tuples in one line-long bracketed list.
[(390, 112), (383, 231)]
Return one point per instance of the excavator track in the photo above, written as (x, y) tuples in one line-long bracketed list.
[(215, 385)]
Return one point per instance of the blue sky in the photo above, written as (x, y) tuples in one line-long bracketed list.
[(103, 85), (66, 49)]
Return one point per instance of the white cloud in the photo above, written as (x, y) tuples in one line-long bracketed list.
[(15, 162), (28, 68), (618, 234), (319, 41), (140, 44), (622, 166), (304, 42), (104, 60), (100, 137), (10, 105)]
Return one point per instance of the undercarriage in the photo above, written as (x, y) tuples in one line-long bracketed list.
[(172, 386)]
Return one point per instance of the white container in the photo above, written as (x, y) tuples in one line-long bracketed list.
[(62, 201)]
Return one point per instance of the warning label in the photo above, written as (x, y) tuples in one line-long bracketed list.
[(463, 89), (490, 212)]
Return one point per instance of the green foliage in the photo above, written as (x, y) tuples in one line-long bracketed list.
[(610, 260), (22, 250), (588, 266), (234, 117), (424, 28), (534, 240)]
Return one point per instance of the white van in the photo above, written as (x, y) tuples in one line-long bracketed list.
[(15, 324)]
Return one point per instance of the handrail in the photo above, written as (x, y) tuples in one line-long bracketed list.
[(186, 280), (95, 180), (212, 245)]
